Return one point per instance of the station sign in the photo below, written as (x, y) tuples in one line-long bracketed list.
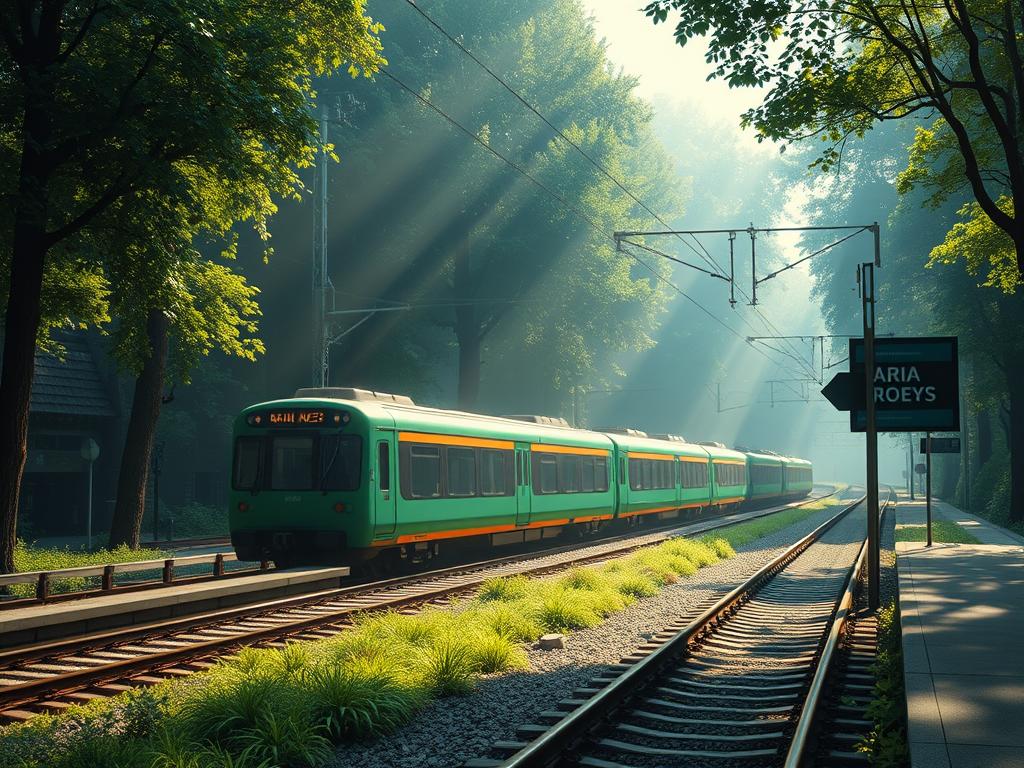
[(916, 385), (941, 445)]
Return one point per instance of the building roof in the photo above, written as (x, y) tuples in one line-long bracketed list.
[(72, 384)]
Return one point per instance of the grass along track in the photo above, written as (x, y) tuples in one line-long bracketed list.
[(354, 664), (52, 677)]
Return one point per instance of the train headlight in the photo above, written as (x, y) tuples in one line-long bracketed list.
[(243, 506), (339, 507), (254, 419)]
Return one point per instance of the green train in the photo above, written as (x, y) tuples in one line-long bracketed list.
[(340, 475)]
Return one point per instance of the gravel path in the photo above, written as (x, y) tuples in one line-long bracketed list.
[(452, 730)]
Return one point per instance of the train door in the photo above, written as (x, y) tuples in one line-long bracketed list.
[(385, 465), (524, 496)]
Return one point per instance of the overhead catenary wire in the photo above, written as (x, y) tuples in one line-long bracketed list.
[(597, 226), (708, 258), (561, 134)]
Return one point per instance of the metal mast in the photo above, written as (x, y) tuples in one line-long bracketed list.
[(320, 278)]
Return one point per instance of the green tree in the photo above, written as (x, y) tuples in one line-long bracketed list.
[(108, 110), (835, 68), (542, 299)]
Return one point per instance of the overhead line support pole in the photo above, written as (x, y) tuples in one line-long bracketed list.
[(732, 270), (928, 485), (753, 264)]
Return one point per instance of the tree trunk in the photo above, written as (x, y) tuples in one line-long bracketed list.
[(24, 310), (138, 444), (1016, 443)]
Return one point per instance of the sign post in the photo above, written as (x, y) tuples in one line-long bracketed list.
[(870, 429), (928, 486), (895, 385)]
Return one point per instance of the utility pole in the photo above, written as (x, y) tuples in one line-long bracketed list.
[(910, 476), (320, 278), (867, 275), (928, 486)]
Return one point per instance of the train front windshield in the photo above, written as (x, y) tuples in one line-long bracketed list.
[(297, 463)]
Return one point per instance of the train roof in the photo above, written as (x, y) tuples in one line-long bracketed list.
[(406, 415), (417, 417), (657, 445)]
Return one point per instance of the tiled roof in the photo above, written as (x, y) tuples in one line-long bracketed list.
[(72, 385)]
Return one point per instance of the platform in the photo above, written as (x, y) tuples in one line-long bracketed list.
[(962, 615), (55, 620)]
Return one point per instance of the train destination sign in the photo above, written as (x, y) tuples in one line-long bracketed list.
[(296, 418), (916, 385), (941, 445)]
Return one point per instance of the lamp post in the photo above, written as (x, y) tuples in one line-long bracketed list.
[(90, 451)]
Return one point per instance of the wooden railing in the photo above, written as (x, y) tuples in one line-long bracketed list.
[(44, 579)]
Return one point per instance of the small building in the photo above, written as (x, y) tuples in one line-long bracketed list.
[(75, 399)]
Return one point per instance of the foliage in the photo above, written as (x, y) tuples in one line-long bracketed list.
[(981, 245), (196, 521), (835, 69), (28, 557), (886, 744), (942, 531)]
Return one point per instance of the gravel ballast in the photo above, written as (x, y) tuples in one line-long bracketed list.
[(451, 730)]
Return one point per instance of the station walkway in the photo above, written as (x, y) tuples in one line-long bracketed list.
[(962, 615)]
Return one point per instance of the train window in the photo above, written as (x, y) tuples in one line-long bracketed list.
[(568, 473), (248, 453), (587, 480), (461, 471), (648, 470), (636, 479), (384, 466), (340, 462), (601, 474), (291, 463), (424, 472), (545, 473), (492, 472), (519, 468)]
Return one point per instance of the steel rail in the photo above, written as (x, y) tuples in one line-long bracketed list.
[(204, 618), (802, 732), (574, 726), (61, 684)]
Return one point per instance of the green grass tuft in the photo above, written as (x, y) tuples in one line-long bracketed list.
[(504, 588), (561, 610), (448, 667), (31, 558), (510, 620), (494, 653), (361, 700)]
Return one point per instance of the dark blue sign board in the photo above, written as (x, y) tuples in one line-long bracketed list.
[(916, 384)]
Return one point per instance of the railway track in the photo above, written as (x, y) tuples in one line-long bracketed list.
[(738, 685), (50, 677)]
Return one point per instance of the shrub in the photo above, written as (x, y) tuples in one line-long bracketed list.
[(510, 620), (448, 666), (360, 700), (635, 584), (496, 653), (722, 548), (504, 588), (285, 740), (197, 521), (581, 578), (560, 610)]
